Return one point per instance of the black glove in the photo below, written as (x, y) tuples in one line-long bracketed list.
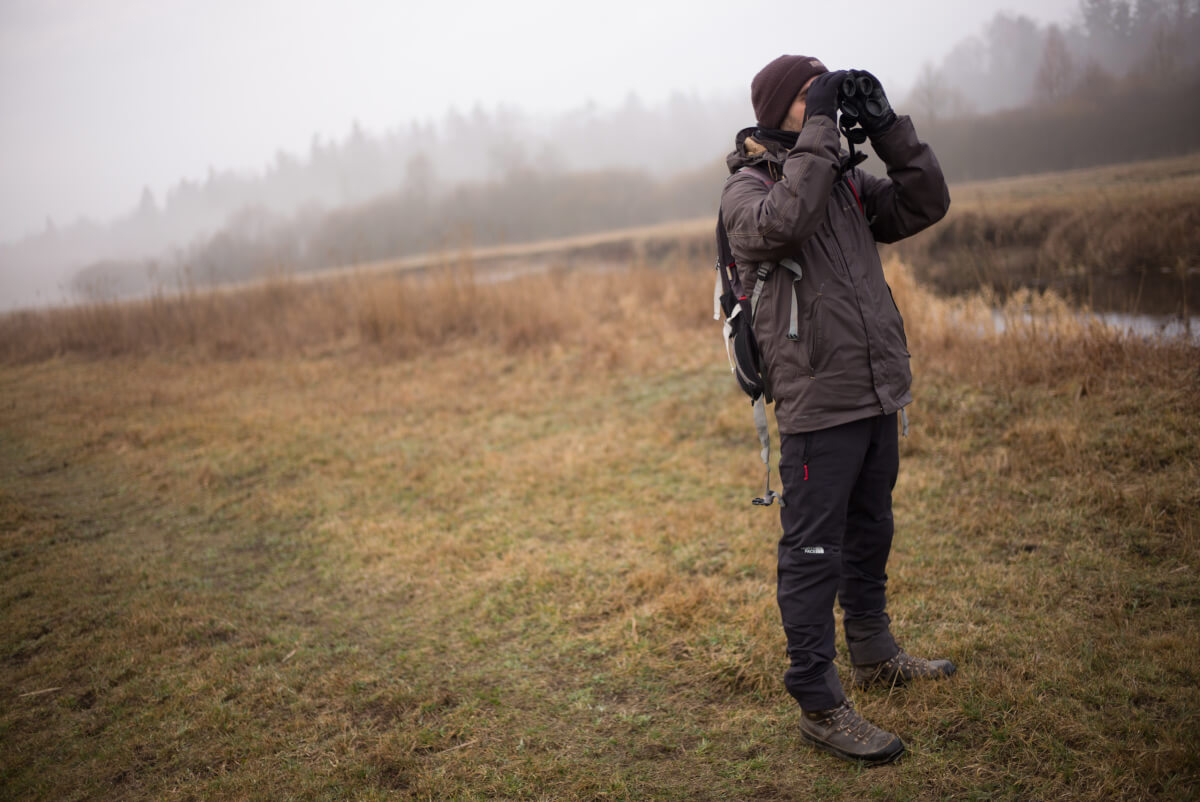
[(861, 98), (823, 95)]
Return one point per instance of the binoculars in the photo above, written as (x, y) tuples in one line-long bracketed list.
[(860, 93), (859, 96)]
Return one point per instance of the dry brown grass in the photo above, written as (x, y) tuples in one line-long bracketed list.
[(446, 538), (395, 315)]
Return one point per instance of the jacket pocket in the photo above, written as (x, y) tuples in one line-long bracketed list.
[(814, 333), (899, 319)]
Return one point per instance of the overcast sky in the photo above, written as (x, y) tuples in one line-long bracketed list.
[(99, 98)]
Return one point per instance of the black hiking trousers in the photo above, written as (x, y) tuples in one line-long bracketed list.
[(837, 534)]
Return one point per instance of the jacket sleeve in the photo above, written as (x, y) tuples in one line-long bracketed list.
[(768, 223), (914, 196)]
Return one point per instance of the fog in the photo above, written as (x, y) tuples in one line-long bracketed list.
[(135, 130)]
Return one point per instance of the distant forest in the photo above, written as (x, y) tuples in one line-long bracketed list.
[(1122, 84)]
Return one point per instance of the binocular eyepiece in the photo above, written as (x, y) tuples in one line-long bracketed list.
[(857, 85)]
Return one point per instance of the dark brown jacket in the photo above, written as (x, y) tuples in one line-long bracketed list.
[(850, 360)]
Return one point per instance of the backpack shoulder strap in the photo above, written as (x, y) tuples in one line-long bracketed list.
[(724, 252)]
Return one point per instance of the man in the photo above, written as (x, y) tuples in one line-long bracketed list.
[(835, 359)]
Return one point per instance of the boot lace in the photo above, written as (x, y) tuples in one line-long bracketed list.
[(847, 720)]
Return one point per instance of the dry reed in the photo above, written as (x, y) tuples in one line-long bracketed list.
[(396, 316), (1027, 337)]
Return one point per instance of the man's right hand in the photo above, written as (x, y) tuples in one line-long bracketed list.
[(823, 94)]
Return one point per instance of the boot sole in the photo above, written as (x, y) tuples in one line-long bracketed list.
[(890, 755)]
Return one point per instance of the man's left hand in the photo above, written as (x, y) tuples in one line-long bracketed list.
[(875, 112)]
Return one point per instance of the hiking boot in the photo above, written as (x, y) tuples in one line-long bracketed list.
[(900, 669), (841, 731)]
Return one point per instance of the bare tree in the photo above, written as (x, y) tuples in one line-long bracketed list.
[(933, 98), (1057, 67), (1162, 60), (929, 95), (419, 175), (1095, 83)]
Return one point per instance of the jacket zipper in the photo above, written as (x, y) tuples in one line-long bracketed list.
[(858, 301), (814, 318)]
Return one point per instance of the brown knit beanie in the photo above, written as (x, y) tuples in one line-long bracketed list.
[(777, 84)]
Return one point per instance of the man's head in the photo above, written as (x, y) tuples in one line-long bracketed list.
[(776, 90)]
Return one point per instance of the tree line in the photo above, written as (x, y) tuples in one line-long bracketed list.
[(1121, 83), (1015, 62)]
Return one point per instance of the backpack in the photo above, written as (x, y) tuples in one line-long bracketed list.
[(745, 358)]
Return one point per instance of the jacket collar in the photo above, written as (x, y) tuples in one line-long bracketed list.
[(769, 156)]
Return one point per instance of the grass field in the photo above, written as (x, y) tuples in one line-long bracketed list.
[(446, 538)]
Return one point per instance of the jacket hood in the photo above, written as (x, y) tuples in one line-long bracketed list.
[(748, 150)]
